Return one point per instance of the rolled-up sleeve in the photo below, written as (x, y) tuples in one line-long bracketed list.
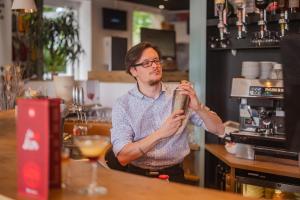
[(197, 120), (121, 131)]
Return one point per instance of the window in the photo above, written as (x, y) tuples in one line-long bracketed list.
[(80, 9), (53, 12)]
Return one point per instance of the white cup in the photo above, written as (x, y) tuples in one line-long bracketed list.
[(250, 69), (277, 66), (265, 69), (276, 72), (273, 75)]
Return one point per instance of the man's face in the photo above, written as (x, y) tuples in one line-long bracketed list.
[(148, 70)]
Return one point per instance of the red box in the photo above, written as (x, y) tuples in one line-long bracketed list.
[(38, 146)]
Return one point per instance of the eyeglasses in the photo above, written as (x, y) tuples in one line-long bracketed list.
[(148, 63)]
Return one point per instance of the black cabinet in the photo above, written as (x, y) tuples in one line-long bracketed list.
[(224, 64)]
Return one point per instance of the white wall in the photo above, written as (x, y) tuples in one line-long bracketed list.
[(181, 32), (85, 33), (109, 92), (98, 33), (6, 34)]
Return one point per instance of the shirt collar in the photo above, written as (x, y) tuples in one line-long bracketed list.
[(136, 92), (164, 87)]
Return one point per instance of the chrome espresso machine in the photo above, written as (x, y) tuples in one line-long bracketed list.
[(261, 116)]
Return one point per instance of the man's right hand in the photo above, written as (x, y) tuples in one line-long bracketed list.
[(171, 125)]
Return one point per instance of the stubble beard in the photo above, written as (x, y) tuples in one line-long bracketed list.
[(154, 82)]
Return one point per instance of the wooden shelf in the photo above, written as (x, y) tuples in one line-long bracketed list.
[(123, 77)]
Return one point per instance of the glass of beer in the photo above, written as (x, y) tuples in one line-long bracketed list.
[(92, 147)]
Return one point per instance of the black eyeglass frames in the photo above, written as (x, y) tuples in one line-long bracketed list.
[(148, 63)]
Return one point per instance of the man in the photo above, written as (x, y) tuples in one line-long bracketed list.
[(145, 135)]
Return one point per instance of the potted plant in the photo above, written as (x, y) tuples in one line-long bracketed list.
[(60, 38)]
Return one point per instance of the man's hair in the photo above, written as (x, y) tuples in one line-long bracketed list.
[(135, 53)]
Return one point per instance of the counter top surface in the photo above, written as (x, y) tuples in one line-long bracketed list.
[(120, 185), (268, 167)]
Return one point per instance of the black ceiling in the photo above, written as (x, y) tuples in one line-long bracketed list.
[(169, 4)]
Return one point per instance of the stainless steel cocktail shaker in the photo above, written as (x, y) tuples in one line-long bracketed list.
[(180, 101)]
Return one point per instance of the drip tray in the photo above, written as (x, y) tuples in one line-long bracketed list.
[(282, 155), (253, 138)]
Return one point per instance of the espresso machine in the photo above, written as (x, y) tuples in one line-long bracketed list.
[(261, 117)]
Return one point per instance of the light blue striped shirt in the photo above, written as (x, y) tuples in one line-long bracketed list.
[(135, 116)]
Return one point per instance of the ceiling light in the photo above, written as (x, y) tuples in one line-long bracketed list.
[(24, 6), (161, 6)]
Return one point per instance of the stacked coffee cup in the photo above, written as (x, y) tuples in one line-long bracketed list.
[(261, 70), (250, 69), (265, 69)]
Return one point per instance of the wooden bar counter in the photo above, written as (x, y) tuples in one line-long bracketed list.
[(254, 165), (120, 185)]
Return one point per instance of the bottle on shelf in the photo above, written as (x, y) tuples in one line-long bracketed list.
[(229, 8), (293, 6), (250, 6), (272, 7), (241, 18), (283, 5), (228, 12), (261, 4), (218, 3), (220, 6), (283, 20), (21, 25), (262, 23)]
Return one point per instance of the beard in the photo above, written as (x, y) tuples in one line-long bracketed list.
[(154, 82)]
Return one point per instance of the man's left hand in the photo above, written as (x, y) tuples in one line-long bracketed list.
[(189, 90)]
